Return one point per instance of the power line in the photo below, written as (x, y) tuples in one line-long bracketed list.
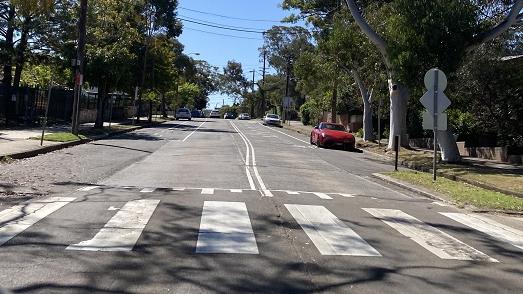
[(219, 24), (218, 34), (229, 17), (222, 27)]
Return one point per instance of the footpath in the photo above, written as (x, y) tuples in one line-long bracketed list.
[(19, 142), (484, 185)]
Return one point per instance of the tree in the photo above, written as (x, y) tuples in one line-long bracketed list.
[(423, 34), (233, 82), (110, 37)]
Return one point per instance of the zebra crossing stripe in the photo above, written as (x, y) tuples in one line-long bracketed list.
[(330, 235), (208, 191), (436, 241), (18, 218), (147, 190), (322, 195), (122, 231), (225, 227), (489, 227), (88, 188)]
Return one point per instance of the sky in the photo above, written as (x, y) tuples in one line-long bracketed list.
[(251, 15)]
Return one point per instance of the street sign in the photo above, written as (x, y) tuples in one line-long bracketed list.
[(430, 78), (435, 101), (428, 121), (442, 103)]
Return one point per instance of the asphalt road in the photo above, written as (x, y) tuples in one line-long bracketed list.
[(217, 206)]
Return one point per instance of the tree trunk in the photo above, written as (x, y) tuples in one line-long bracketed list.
[(100, 103), (150, 118), (449, 148), (368, 128), (164, 109), (399, 97), (20, 52), (8, 65), (334, 101)]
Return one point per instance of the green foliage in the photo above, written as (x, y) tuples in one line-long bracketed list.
[(187, 93), (359, 133), (41, 75), (310, 112)]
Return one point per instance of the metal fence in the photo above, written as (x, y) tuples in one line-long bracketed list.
[(29, 104)]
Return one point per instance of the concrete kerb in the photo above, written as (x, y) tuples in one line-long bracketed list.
[(47, 149), (409, 187)]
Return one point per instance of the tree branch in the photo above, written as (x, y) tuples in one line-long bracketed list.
[(369, 31), (512, 17)]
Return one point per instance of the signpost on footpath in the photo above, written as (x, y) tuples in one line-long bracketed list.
[(435, 101)]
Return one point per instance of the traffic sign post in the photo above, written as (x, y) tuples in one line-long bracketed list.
[(435, 101)]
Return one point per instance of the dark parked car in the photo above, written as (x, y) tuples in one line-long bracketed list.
[(229, 115), (196, 113)]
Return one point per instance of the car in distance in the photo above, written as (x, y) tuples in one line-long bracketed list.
[(244, 116), (214, 114), (272, 119), (332, 135), (196, 113), (229, 115), (183, 113)]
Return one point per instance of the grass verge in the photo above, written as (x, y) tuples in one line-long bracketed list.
[(507, 180), (60, 137), (461, 193)]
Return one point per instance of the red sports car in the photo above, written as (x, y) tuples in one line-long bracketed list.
[(330, 134)]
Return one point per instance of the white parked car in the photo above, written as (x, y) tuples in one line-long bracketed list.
[(244, 116), (214, 114), (183, 113), (272, 119)]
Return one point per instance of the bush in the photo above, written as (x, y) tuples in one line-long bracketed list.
[(359, 133), (305, 113), (386, 133)]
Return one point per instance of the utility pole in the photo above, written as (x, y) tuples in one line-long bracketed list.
[(80, 66), (284, 110), (264, 103), (252, 98)]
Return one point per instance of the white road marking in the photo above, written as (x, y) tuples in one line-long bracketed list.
[(346, 195), (236, 190), (225, 227), (88, 188), (330, 235), (264, 189), (178, 189), (147, 190), (188, 136), (111, 208), (489, 227), (292, 192), (123, 230), (322, 195), (249, 177), (436, 241), (18, 218), (285, 134), (209, 191)]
